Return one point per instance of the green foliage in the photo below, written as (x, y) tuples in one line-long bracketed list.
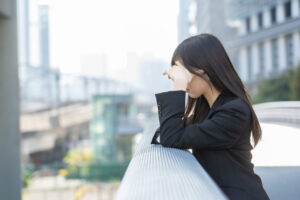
[(283, 87), (76, 158), (104, 171), (27, 175), (295, 85), (80, 166)]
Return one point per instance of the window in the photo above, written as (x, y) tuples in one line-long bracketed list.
[(260, 20), (249, 62), (289, 50), (273, 15), (261, 58), (274, 44), (287, 9), (248, 24)]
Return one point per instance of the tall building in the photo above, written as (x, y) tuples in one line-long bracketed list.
[(211, 18), (43, 13), (208, 17), (184, 20), (268, 37), (37, 78), (113, 130)]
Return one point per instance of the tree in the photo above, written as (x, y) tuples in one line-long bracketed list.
[(276, 88), (295, 84)]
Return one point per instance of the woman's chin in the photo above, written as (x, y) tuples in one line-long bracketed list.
[(192, 96)]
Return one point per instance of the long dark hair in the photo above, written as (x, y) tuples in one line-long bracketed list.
[(205, 51)]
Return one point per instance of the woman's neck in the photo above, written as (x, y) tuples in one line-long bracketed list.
[(211, 96)]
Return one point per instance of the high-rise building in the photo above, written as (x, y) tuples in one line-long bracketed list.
[(43, 13), (208, 17), (184, 19), (37, 78), (268, 37), (211, 18)]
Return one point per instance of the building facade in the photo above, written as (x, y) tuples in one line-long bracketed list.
[(186, 19), (268, 37)]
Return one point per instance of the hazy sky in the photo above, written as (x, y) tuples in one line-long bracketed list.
[(111, 27)]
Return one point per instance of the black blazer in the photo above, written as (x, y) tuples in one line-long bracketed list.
[(220, 143)]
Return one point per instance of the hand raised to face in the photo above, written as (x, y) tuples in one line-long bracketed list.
[(179, 75)]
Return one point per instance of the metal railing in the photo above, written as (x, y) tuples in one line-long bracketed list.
[(157, 172), (280, 112)]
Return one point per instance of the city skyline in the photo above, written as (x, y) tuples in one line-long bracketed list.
[(95, 27)]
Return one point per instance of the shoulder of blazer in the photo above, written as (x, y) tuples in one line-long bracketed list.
[(237, 106), (237, 101)]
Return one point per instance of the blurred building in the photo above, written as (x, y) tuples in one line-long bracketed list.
[(43, 16), (211, 17), (38, 80), (268, 37), (114, 121), (34, 40), (113, 130), (200, 16), (185, 19)]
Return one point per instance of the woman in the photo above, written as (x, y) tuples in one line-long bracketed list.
[(218, 119)]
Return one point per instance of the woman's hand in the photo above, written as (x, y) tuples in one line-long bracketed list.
[(179, 75)]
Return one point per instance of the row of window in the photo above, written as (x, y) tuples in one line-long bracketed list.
[(289, 55), (273, 15)]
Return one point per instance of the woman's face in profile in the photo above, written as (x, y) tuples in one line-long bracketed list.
[(197, 86)]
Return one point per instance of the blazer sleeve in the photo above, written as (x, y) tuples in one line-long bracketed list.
[(221, 131)]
